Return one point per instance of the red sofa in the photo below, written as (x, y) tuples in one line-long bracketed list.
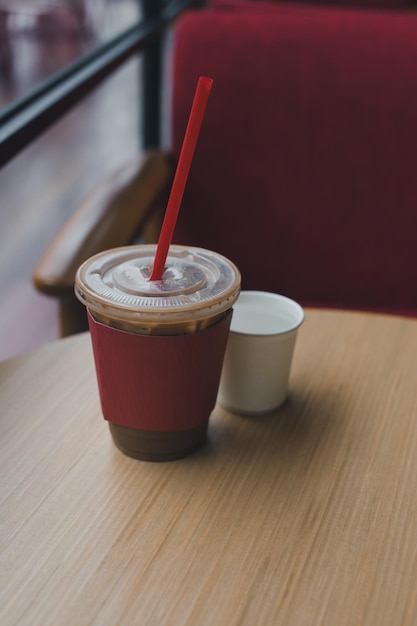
[(305, 169), (353, 4)]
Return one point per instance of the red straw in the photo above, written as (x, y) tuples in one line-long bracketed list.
[(184, 162)]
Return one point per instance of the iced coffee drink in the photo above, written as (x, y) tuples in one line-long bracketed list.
[(158, 345)]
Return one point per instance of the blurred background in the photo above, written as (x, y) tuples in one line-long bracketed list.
[(43, 184)]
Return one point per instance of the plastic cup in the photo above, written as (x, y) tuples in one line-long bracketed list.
[(158, 345), (259, 353)]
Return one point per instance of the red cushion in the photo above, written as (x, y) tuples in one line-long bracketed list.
[(257, 4), (305, 169)]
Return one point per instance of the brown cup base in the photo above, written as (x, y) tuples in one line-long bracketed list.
[(148, 445)]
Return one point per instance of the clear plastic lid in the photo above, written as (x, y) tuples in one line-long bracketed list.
[(196, 284)]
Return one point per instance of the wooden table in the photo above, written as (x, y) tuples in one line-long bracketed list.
[(304, 517)]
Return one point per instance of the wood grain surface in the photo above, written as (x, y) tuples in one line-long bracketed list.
[(304, 517)]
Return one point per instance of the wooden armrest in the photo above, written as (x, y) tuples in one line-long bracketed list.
[(114, 214), (127, 204)]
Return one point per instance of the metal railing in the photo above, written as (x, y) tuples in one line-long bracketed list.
[(28, 118)]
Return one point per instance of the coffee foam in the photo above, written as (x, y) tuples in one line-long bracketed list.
[(197, 288)]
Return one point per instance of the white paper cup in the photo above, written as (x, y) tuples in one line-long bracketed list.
[(259, 352)]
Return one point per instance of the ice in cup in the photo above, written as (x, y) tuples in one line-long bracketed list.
[(259, 352), (158, 345)]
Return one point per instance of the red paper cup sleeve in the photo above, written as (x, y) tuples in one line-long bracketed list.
[(159, 383)]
